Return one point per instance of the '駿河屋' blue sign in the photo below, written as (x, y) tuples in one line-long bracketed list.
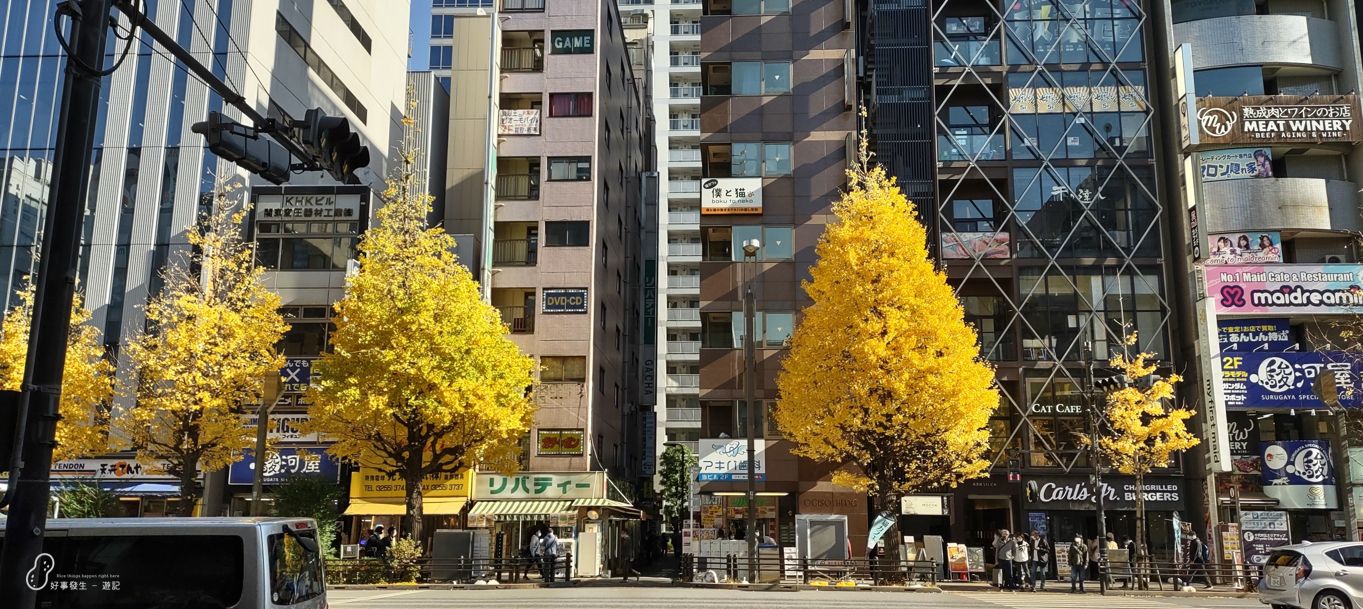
[(1260, 379), (281, 463), (1300, 474)]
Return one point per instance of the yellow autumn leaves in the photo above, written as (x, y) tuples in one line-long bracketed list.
[(884, 375), (1145, 433)]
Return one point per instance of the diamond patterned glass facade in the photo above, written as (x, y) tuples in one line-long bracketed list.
[(1043, 197)]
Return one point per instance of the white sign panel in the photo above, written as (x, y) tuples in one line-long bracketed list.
[(730, 196), (727, 459), (109, 469), (1213, 393), (923, 505), (308, 207), (284, 429)]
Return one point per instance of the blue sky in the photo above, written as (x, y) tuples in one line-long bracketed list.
[(421, 35)]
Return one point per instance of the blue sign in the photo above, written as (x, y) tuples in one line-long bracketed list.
[(1300, 474), (1240, 335), (282, 463), (1260, 379), (296, 375)]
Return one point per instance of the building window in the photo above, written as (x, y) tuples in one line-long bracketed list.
[(563, 369), (567, 234), (570, 104), (968, 42), (746, 7), (726, 330), (746, 78), (309, 331), (747, 159), (972, 215), (463, 3), (352, 24), (294, 246), (442, 26), (570, 168), (970, 135), (725, 243), (299, 44), (442, 57)]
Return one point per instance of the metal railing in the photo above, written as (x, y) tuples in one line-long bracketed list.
[(683, 281), (518, 186), (689, 92), (684, 155), (683, 186), (683, 415), (685, 60), (683, 346), (683, 249), (1169, 575), (682, 314), (685, 29), (683, 380), (772, 567), (522, 59), (520, 319), (457, 570), (683, 124), (514, 252)]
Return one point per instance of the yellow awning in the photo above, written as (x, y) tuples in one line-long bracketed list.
[(430, 506), (522, 508), (601, 502)]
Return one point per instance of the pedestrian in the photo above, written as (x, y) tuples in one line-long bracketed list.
[(388, 540), (1006, 558), (534, 549), (1022, 556), (1091, 570), (1197, 561), (1078, 555), (549, 554), (1041, 560), (374, 546), (364, 542), (999, 582)]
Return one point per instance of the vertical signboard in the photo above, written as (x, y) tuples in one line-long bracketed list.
[(649, 428), (1262, 531), (1213, 394)]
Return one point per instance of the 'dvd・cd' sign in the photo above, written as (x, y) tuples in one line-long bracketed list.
[(565, 300)]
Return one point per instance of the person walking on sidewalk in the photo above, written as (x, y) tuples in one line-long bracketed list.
[(1021, 557), (1005, 548), (1197, 561), (1079, 553), (1041, 561), (549, 554)]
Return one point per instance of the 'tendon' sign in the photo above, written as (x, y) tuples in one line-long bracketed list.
[(1278, 119)]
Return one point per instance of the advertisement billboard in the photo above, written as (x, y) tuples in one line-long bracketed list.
[(282, 463), (1254, 334), (1244, 248), (727, 459), (1260, 379), (1300, 474), (969, 246), (730, 196), (1278, 119), (1236, 164), (540, 485), (565, 300), (1286, 289)]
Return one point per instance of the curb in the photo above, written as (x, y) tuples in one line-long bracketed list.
[(807, 588), (447, 586)]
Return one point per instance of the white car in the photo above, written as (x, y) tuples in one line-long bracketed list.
[(1327, 575)]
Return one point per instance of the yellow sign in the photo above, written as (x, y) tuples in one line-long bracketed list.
[(369, 483)]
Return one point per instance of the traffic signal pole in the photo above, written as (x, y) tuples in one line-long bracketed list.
[(24, 567)]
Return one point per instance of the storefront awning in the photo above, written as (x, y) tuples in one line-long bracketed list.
[(430, 506), (151, 489), (521, 508), (601, 502)]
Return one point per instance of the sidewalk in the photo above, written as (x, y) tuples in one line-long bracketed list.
[(1091, 588)]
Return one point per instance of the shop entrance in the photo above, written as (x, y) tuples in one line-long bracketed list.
[(984, 517)]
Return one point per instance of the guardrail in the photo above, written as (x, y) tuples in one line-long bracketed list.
[(1168, 575), (772, 568), (456, 570)]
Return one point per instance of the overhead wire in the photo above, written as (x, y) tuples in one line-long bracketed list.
[(98, 72)]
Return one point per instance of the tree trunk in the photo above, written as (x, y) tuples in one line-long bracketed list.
[(888, 567), (411, 478), (1139, 558), (189, 487)]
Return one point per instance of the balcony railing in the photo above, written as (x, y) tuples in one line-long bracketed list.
[(684, 124), (684, 155), (686, 60), (518, 122), (524, 6), (521, 186), (683, 249), (683, 415), (692, 92), (522, 59), (683, 281), (683, 217), (681, 314), (683, 381), (683, 186), (685, 1), (520, 319), (683, 347), (514, 252), (685, 29)]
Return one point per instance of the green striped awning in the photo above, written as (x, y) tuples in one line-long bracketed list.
[(600, 502), (521, 508)]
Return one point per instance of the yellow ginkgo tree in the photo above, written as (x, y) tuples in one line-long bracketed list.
[(1143, 430), (884, 375), (210, 342), (87, 379), (422, 379)]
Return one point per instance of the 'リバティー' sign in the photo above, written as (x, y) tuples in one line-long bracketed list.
[(1286, 289), (1278, 119)]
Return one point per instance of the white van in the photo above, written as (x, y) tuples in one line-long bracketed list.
[(180, 563)]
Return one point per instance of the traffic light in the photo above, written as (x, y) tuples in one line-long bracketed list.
[(1112, 383), (1014, 470), (244, 146), (338, 150)]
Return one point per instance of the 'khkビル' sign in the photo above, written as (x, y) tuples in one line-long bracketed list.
[(1244, 248), (727, 459), (1260, 379), (730, 196), (540, 485), (1236, 164), (1278, 119), (1286, 289), (308, 207)]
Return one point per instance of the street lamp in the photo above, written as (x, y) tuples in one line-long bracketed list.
[(750, 249)]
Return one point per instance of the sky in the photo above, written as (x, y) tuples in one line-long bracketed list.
[(421, 35)]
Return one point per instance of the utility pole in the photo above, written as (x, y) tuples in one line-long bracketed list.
[(24, 567), (750, 249), (1096, 457)]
